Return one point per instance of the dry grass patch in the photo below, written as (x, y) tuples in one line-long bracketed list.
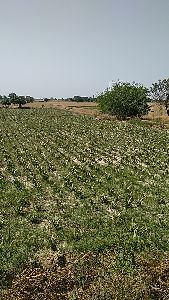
[(90, 276)]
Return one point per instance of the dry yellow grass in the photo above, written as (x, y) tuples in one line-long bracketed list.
[(61, 104), (157, 111)]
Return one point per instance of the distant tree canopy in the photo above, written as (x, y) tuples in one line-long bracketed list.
[(46, 99), (15, 99), (81, 99), (5, 101), (124, 100), (29, 99), (159, 91)]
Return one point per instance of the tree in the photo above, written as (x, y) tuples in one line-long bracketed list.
[(124, 100), (159, 91), (5, 101), (12, 96), (29, 99), (15, 99)]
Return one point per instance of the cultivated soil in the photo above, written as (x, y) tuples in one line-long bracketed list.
[(69, 275)]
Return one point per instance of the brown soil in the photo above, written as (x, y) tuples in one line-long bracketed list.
[(90, 276)]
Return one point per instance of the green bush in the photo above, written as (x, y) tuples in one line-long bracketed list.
[(124, 100)]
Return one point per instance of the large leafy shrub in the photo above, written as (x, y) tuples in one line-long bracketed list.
[(124, 100)]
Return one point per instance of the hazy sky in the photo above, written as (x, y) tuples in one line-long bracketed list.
[(62, 48)]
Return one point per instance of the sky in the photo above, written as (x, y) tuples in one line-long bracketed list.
[(62, 48)]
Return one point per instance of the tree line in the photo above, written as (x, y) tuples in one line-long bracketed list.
[(123, 99), (12, 98), (81, 99)]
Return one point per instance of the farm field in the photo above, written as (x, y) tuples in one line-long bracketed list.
[(84, 207), (157, 111)]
